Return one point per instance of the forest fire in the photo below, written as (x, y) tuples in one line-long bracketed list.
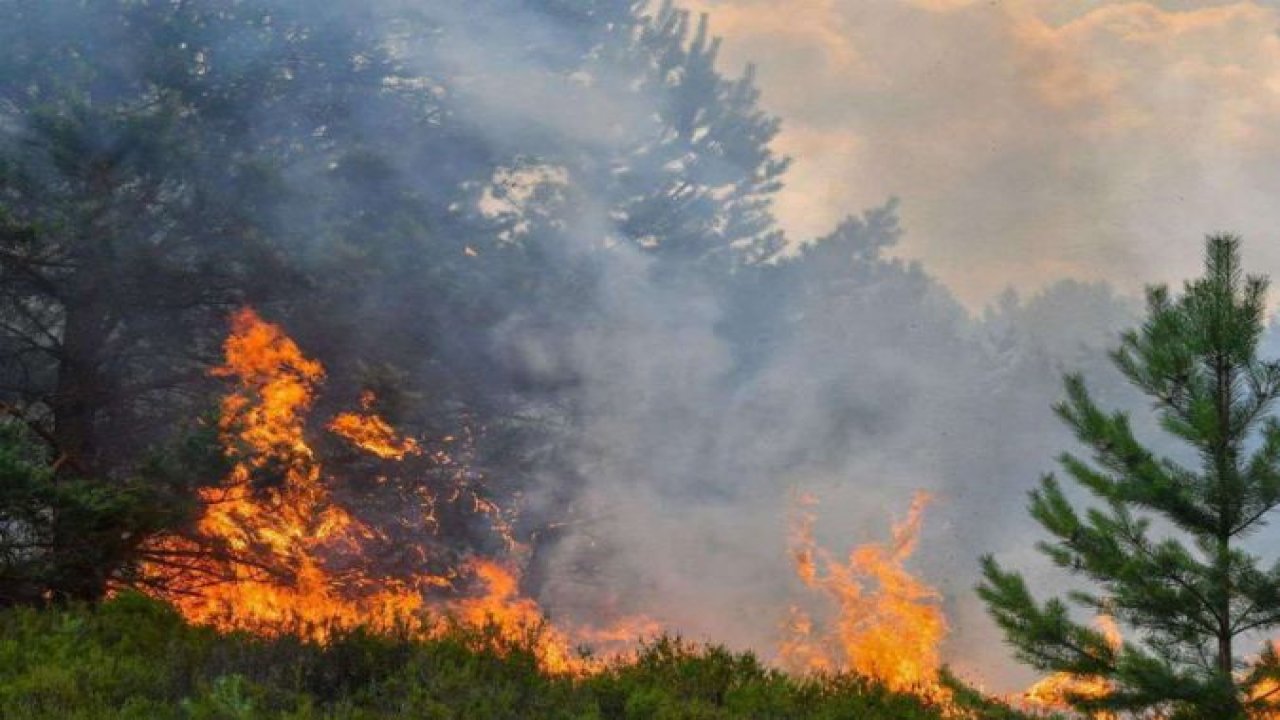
[(282, 529), (274, 513), (553, 304), (292, 553)]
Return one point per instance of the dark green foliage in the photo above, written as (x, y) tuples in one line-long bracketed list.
[(163, 163), (63, 537), (134, 658), (1185, 589), (670, 678), (140, 182)]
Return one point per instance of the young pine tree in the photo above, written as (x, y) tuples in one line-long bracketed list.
[(1187, 592)]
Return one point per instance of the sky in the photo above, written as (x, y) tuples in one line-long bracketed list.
[(1029, 140)]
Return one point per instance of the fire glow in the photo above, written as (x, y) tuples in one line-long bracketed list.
[(280, 536), (1053, 692), (886, 624), (291, 555)]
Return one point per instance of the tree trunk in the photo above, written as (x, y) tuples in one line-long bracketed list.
[(1225, 469), (80, 567), (82, 387)]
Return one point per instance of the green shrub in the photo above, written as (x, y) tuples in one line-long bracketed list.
[(134, 658)]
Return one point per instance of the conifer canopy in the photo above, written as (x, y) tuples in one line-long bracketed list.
[(1161, 546)]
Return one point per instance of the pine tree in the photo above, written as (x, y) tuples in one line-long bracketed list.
[(1185, 590)]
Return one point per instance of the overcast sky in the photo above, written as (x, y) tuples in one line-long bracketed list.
[(1028, 139)]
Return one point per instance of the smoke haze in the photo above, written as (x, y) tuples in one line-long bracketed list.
[(1032, 139), (561, 221)]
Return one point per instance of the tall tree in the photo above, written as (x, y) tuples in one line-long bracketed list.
[(700, 187), (152, 157), (136, 150), (162, 163), (1185, 588)]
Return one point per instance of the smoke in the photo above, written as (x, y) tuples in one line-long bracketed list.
[(877, 385), (520, 219), (1032, 139)]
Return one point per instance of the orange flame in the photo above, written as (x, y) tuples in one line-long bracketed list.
[(273, 513), (371, 433), (513, 616), (276, 530), (1052, 693), (287, 553), (1266, 694), (887, 623)]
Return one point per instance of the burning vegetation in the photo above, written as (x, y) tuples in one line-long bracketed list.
[(288, 557), (275, 551), (291, 558), (278, 527), (882, 621), (1055, 692), (557, 335)]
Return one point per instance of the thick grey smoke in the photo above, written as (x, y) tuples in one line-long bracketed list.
[(576, 265), (882, 387)]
